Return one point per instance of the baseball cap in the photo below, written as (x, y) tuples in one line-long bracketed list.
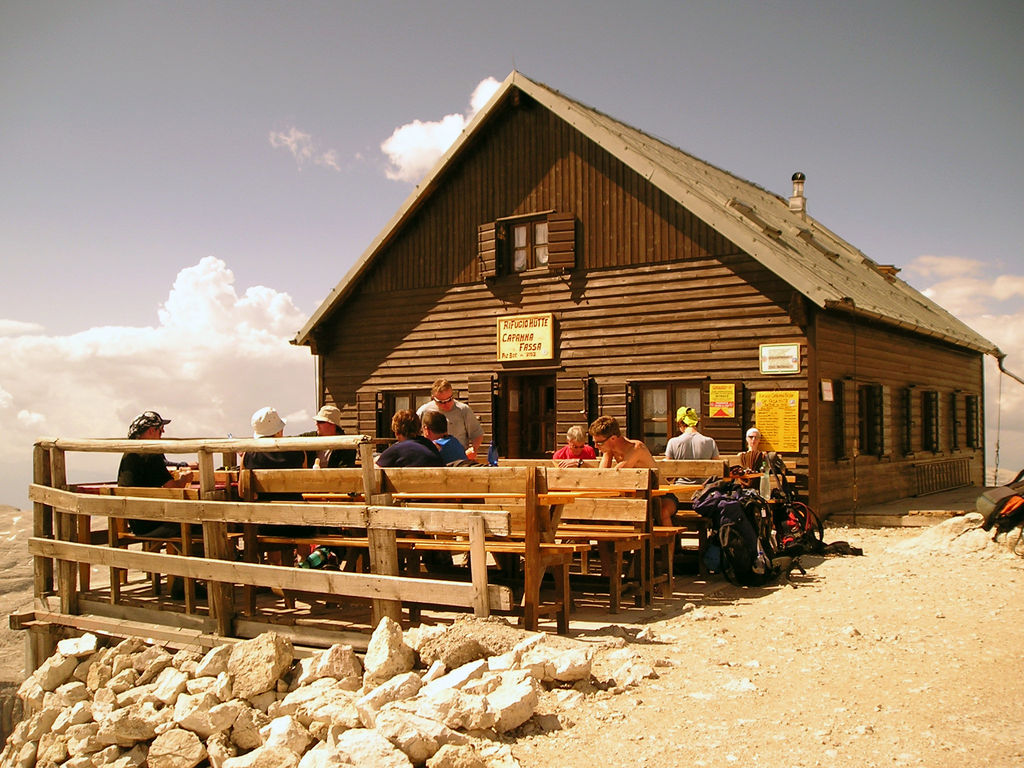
[(687, 415), (144, 421), (266, 422), (329, 413)]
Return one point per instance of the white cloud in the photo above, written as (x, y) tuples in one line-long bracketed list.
[(304, 149), (415, 147), (968, 289), (213, 358), (19, 328)]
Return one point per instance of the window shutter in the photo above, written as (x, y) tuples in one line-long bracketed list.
[(561, 241), (487, 249)]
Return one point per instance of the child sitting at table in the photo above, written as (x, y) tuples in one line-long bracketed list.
[(576, 450)]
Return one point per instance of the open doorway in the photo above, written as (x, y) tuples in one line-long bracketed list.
[(530, 416)]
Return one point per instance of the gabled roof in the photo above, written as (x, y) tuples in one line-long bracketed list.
[(823, 267)]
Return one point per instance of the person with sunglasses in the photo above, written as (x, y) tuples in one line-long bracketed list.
[(463, 424), (149, 470)]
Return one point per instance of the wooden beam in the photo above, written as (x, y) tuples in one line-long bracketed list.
[(368, 586)]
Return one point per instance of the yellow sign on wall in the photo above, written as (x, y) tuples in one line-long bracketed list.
[(526, 337), (722, 401), (778, 419)]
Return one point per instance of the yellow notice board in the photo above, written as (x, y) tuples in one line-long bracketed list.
[(722, 401), (778, 419), (526, 337)]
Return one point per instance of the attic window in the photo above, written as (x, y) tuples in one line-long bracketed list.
[(528, 243)]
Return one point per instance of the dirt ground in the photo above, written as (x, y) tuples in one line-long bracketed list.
[(908, 656)]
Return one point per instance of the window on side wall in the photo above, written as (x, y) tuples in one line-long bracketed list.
[(930, 421), (870, 421), (972, 417), (390, 402), (653, 411)]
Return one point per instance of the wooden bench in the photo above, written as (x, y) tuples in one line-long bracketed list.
[(691, 526)]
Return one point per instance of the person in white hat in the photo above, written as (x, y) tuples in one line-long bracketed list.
[(328, 424), (753, 457), (267, 423)]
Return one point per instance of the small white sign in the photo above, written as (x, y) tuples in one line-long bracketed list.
[(526, 337), (780, 358)]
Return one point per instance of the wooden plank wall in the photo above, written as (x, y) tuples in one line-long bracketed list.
[(855, 351)]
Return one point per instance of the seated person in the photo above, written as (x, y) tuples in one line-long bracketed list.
[(412, 448), (149, 470), (267, 423), (435, 429), (576, 449), (753, 457), (328, 424), (689, 443), (618, 451)]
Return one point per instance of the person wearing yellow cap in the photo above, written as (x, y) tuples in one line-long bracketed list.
[(689, 443)]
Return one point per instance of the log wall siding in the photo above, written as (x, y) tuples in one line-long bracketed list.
[(853, 352), (534, 162), (668, 322)]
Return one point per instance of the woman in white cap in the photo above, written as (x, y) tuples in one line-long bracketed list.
[(267, 423), (753, 457)]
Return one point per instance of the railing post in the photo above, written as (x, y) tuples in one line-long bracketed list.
[(216, 547), (42, 523), (66, 530)]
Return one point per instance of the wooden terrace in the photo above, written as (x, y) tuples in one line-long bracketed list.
[(522, 537)]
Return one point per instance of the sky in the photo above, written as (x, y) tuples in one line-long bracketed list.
[(181, 184)]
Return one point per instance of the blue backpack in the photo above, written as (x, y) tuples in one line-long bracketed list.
[(741, 531)]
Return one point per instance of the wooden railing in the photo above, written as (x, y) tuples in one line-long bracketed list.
[(942, 475), (64, 545)]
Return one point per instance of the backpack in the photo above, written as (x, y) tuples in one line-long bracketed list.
[(742, 532)]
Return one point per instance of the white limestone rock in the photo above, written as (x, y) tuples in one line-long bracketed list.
[(515, 701), (256, 665), (321, 756), (52, 748), (55, 671), (78, 647), (456, 756), (265, 757), (214, 662), (245, 733), (176, 748), (83, 739), (325, 700), (286, 731), (78, 713), (219, 748), (387, 654), (457, 678), (169, 683), (549, 665), (403, 686), (367, 747), (417, 736), (130, 725)]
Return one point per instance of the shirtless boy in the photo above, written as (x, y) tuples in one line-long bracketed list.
[(616, 450)]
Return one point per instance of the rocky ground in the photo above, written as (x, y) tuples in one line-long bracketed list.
[(907, 656)]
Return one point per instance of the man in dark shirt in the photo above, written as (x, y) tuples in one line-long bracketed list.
[(149, 470), (412, 448)]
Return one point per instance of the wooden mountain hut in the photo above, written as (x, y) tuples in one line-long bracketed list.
[(557, 264)]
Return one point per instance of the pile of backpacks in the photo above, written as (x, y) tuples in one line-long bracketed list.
[(1003, 510), (754, 540)]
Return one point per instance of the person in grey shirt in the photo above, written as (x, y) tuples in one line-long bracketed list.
[(690, 444), (463, 424)]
